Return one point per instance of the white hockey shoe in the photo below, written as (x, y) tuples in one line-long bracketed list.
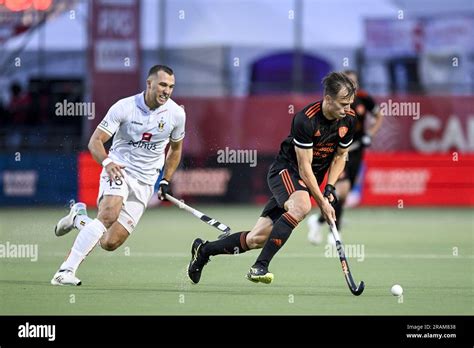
[(66, 224), (315, 235), (65, 277)]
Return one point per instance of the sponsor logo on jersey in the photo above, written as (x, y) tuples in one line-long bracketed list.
[(161, 126), (342, 131), (146, 137), (143, 145), (104, 123)]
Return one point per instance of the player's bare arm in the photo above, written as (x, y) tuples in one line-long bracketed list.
[(337, 165), (305, 157), (173, 158), (97, 150)]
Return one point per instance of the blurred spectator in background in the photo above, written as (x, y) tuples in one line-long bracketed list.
[(3, 115), (20, 105), (19, 111)]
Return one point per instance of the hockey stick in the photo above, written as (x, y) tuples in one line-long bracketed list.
[(208, 220), (356, 290)]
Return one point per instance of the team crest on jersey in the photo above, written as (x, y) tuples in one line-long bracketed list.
[(161, 126), (146, 137), (342, 131)]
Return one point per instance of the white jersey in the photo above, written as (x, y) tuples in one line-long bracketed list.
[(141, 135)]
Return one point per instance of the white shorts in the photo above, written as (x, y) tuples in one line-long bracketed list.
[(136, 196)]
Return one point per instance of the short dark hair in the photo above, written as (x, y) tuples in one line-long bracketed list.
[(335, 81), (350, 72), (155, 68)]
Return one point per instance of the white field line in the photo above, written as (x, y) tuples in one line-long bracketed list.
[(283, 255)]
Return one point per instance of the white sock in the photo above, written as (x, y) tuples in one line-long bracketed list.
[(83, 245), (80, 221)]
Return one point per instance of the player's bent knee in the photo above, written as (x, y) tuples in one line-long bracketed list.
[(300, 211)]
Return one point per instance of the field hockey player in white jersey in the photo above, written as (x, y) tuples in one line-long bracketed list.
[(143, 126)]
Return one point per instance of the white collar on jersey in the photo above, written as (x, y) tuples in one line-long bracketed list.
[(140, 102)]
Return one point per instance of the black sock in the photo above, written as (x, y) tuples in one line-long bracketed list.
[(233, 244), (321, 219), (338, 210), (280, 233)]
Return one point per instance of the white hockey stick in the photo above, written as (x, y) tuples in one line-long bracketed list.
[(203, 217)]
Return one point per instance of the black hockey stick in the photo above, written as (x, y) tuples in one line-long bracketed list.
[(356, 290), (203, 217)]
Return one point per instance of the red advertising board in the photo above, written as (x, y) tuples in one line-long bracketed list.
[(88, 173), (423, 124), (426, 124), (406, 179), (423, 154), (390, 179)]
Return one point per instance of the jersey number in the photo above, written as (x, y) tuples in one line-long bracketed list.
[(117, 181)]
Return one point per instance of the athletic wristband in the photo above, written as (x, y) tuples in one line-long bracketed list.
[(106, 162), (164, 182), (330, 190)]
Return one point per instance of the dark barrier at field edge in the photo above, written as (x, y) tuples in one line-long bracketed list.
[(37, 178)]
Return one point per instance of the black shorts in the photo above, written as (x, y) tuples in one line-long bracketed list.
[(351, 171), (283, 180)]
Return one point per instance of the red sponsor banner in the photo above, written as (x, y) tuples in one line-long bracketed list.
[(259, 123), (414, 179), (391, 179), (424, 124), (88, 176), (114, 60)]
